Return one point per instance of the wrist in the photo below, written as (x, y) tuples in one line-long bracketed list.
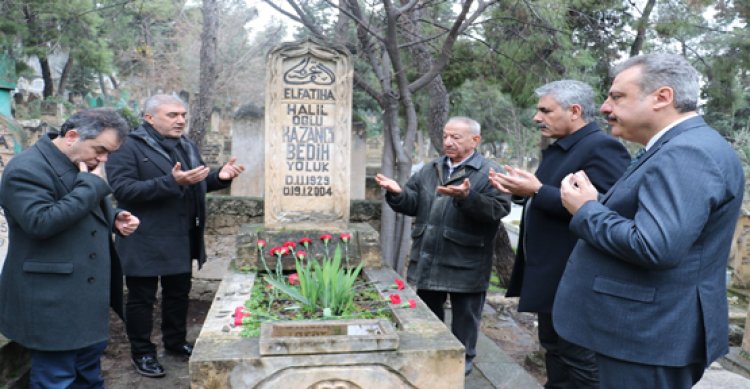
[(536, 191)]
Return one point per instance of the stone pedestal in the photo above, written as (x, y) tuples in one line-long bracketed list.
[(428, 356), (362, 247)]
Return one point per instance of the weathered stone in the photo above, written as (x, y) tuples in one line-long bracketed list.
[(326, 337), (308, 136), (739, 257), (363, 246), (224, 359)]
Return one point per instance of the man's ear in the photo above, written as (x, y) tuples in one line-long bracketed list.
[(575, 111), (71, 136), (664, 97)]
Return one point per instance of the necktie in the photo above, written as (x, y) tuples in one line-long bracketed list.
[(637, 157)]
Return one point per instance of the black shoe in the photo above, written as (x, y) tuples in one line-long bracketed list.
[(149, 366), (185, 350), (468, 367)]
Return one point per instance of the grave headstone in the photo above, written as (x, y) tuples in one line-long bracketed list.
[(307, 136), (10, 144), (248, 144), (359, 160), (739, 257)]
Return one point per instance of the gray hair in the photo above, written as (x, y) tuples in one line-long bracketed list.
[(569, 92), (672, 70), (153, 103), (474, 126), (90, 123)]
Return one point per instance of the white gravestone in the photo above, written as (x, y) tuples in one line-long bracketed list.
[(308, 136)]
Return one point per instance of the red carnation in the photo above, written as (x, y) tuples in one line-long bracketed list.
[(294, 279), (395, 299), (345, 237), (239, 314)]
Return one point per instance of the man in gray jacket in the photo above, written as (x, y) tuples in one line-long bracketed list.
[(61, 273), (457, 216)]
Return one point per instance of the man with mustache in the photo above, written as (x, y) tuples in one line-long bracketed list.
[(61, 273), (159, 173), (565, 113), (457, 216), (645, 286)]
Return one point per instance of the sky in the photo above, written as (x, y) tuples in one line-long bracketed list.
[(266, 14)]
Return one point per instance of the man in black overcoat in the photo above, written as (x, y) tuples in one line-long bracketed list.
[(565, 113), (160, 176), (61, 273)]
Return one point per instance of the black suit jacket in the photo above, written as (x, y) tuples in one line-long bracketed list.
[(545, 240)]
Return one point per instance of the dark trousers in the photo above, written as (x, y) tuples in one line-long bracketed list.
[(618, 374), (466, 312), (568, 365), (139, 311), (75, 369)]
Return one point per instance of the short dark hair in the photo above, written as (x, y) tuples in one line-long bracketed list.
[(91, 122)]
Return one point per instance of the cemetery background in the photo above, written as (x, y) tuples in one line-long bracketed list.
[(514, 332), (470, 98)]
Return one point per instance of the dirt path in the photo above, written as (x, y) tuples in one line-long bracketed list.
[(118, 369)]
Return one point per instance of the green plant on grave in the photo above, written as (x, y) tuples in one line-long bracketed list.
[(324, 285)]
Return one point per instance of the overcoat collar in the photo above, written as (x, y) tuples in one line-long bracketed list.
[(63, 167), (474, 162), (142, 134), (569, 141)]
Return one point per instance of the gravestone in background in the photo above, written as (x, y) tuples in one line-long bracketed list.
[(248, 146), (10, 144), (308, 136)]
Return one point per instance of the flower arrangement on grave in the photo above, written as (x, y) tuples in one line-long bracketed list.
[(324, 286)]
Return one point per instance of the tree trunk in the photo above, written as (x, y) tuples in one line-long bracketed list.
[(640, 36), (113, 80), (201, 116), (437, 113), (64, 76), (504, 256), (49, 89), (103, 88)]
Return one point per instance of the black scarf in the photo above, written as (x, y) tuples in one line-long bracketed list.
[(174, 147)]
